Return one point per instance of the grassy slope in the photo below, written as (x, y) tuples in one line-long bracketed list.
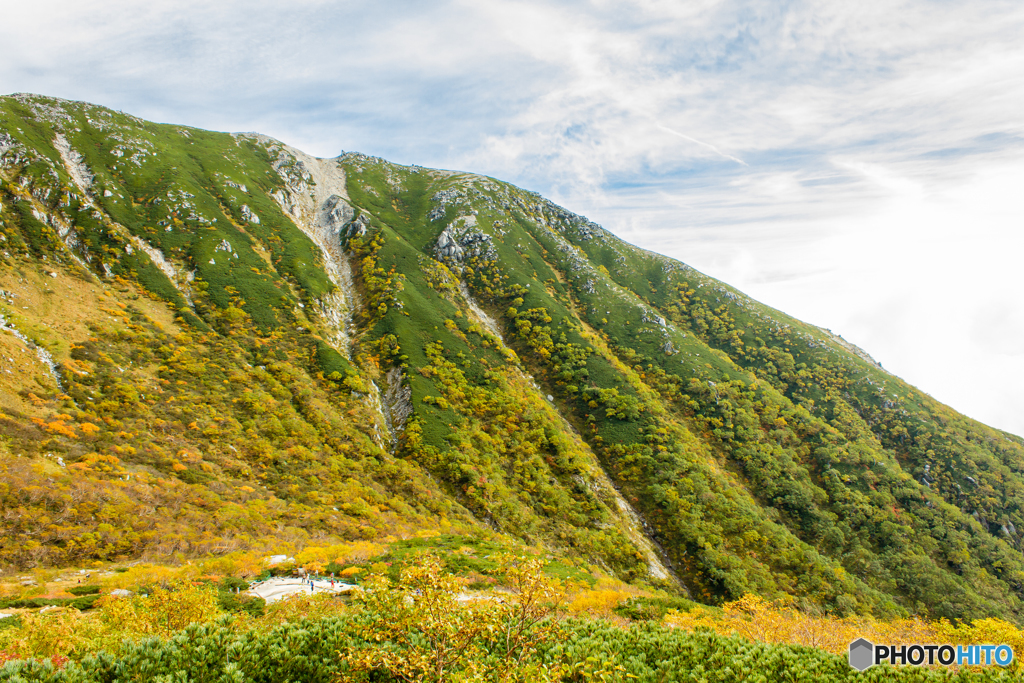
[(764, 455)]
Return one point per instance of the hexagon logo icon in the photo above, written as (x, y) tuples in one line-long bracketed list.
[(862, 654)]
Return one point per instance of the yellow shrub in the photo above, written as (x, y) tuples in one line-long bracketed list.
[(604, 597), (984, 631), (597, 601), (437, 637), (299, 605), (161, 613), (757, 619), (313, 554), (152, 575), (238, 563), (342, 553), (54, 633)]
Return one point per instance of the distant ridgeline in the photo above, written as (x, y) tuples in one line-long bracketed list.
[(214, 341)]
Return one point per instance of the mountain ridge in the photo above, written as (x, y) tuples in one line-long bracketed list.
[(350, 348)]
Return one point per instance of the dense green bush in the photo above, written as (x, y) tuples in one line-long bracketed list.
[(309, 651), (35, 603), (236, 602), (652, 609)]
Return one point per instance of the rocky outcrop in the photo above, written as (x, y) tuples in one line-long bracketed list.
[(356, 227), (12, 152), (852, 348), (397, 401), (442, 200), (7, 143), (315, 197), (74, 163), (334, 214), (463, 240), (339, 221), (181, 279), (41, 352), (309, 182), (249, 215), (447, 248), (479, 313)]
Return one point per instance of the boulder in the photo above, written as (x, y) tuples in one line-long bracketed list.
[(447, 248)]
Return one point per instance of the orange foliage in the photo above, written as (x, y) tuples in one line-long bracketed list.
[(61, 428)]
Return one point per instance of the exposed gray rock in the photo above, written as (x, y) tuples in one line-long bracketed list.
[(7, 143), (12, 152), (250, 215), (441, 201), (447, 249), (330, 230), (356, 227), (479, 313), (398, 399), (74, 163), (338, 222), (226, 247), (462, 240)]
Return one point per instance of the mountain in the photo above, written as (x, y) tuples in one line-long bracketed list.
[(214, 341)]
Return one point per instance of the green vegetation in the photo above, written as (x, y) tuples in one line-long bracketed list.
[(34, 603), (419, 630), (500, 368)]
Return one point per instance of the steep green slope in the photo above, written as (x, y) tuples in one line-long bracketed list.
[(352, 348)]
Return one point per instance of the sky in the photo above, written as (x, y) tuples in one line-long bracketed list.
[(858, 165)]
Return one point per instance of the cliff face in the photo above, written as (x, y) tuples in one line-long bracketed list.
[(215, 341)]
